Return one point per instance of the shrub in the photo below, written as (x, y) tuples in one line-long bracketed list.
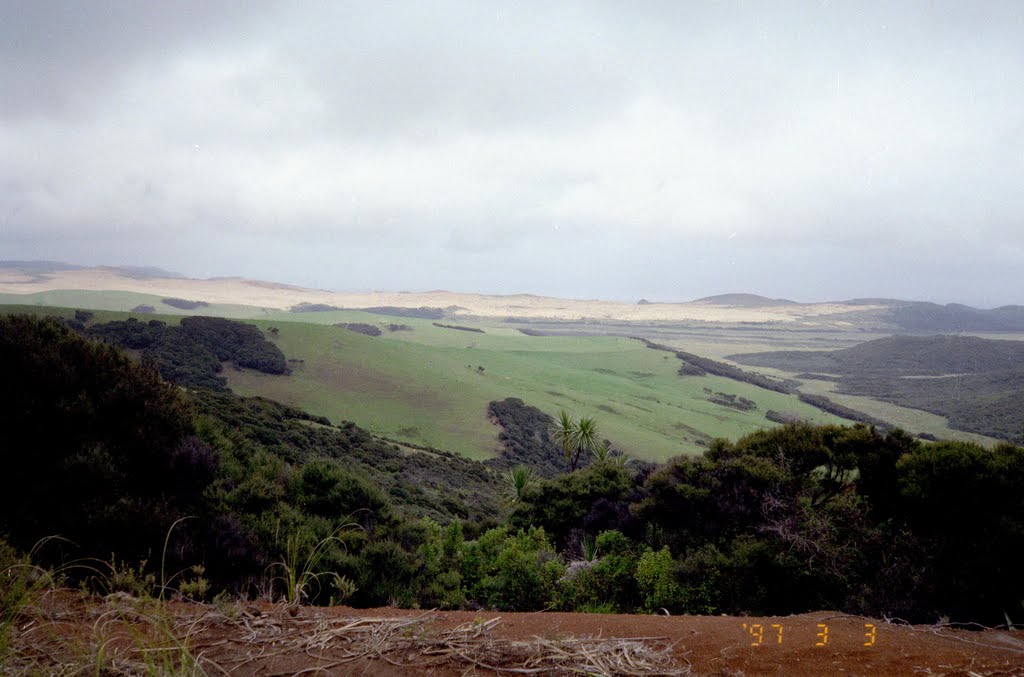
[(512, 572), (87, 427), (605, 585)]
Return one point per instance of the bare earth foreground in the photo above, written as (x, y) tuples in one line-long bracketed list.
[(67, 634)]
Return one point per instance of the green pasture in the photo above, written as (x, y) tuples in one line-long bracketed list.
[(425, 386), (432, 385), (124, 301)]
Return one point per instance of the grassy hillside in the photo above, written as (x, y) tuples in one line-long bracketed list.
[(431, 385), (124, 301)]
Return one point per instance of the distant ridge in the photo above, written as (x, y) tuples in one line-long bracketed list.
[(744, 301), (144, 272), (895, 356), (875, 302), (39, 266), (20, 278), (955, 317), (43, 267)]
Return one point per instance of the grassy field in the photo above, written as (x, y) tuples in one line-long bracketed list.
[(124, 301), (431, 385)]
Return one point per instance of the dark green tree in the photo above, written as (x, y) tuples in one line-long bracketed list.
[(97, 448)]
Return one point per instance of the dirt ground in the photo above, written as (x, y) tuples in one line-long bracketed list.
[(66, 634)]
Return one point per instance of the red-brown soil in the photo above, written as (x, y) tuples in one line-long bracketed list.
[(66, 634)]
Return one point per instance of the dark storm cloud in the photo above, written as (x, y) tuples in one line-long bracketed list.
[(644, 139)]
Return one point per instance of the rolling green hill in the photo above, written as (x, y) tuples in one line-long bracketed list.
[(431, 385), (125, 301)]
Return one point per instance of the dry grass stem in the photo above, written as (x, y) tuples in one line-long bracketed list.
[(128, 637)]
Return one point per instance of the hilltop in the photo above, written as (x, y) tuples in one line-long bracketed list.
[(745, 301), (45, 282)]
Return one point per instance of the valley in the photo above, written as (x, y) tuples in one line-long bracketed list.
[(424, 382)]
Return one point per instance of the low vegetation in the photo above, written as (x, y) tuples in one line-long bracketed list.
[(825, 404), (191, 354), (458, 327), (973, 382), (695, 365), (312, 308), (730, 400), (361, 328), (252, 498), (526, 438), (954, 317), (423, 313), (184, 304)]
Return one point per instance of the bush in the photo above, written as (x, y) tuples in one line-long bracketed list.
[(591, 500), (964, 502), (656, 583), (512, 572), (605, 585), (87, 427)]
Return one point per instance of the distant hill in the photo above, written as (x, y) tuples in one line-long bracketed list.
[(744, 301), (900, 356), (38, 266), (145, 272), (44, 267), (732, 310), (954, 317), (974, 382)]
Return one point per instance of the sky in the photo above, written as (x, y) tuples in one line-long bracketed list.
[(660, 150)]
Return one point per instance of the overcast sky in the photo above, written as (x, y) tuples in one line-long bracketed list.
[(666, 150)]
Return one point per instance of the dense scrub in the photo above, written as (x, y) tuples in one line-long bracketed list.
[(106, 455), (695, 365), (191, 354), (184, 304), (731, 401), (932, 317), (987, 403), (458, 327), (102, 452), (526, 437), (973, 382), (900, 356), (825, 404), (422, 313), (432, 484), (312, 308), (96, 449), (360, 328)]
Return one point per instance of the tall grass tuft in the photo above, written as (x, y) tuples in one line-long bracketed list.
[(300, 570)]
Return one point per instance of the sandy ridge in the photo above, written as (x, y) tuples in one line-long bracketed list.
[(281, 297)]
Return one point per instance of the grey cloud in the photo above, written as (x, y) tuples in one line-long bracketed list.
[(499, 137), (60, 57)]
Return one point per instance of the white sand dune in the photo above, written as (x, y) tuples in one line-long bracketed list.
[(281, 296)]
